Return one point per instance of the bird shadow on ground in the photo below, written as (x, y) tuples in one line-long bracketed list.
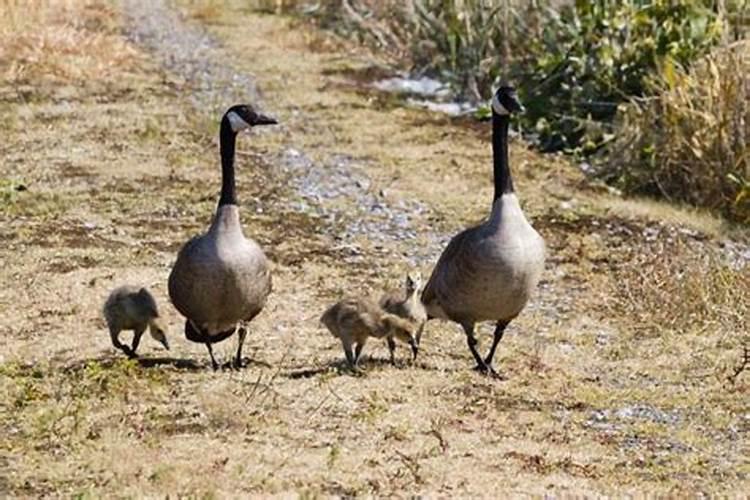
[(246, 363), (366, 364), (179, 363), (109, 361)]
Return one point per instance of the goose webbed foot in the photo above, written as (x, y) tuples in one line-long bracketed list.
[(489, 370)]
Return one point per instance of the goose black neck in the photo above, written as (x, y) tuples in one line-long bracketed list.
[(503, 179), (227, 139)]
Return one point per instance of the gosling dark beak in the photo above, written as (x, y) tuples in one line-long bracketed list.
[(166, 345), (264, 120)]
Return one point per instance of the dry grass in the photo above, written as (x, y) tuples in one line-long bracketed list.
[(691, 142), (44, 41), (676, 287), (116, 181), (467, 41)]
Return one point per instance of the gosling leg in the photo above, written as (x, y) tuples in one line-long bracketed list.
[(137, 334), (347, 345), (115, 336), (392, 349), (358, 351), (419, 335)]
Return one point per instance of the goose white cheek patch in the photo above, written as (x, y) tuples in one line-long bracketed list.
[(236, 122), (497, 107)]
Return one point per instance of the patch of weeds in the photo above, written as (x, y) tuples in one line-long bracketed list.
[(121, 378), (84, 495), (677, 289), (334, 453), (152, 131), (27, 391), (162, 474), (98, 379), (26, 386), (18, 201), (9, 193), (618, 351), (373, 409)]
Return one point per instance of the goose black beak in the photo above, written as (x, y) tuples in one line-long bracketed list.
[(264, 120), (516, 105)]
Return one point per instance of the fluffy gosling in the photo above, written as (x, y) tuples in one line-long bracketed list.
[(353, 320), (133, 308), (406, 304)]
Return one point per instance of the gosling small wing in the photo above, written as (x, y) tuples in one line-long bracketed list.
[(391, 301)]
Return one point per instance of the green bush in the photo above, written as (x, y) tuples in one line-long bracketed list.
[(595, 54)]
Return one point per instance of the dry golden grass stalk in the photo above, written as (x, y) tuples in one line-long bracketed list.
[(678, 288), (60, 41), (691, 141)]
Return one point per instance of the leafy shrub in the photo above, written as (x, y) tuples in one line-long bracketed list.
[(690, 141), (594, 55), (573, 62)]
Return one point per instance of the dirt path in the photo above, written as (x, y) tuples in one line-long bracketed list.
[(349, 191)]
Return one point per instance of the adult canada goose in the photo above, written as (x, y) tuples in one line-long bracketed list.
[(488, 272), (221, 278)]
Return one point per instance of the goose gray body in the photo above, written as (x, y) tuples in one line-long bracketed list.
[(488, 272), (221, 278)]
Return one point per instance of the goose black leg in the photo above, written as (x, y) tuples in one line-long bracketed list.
[(242, 333), (499, 331), (472, 341), (214, 364)]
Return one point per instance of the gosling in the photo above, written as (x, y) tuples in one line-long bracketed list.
[(353, 320), (407, 305), (133, 308)]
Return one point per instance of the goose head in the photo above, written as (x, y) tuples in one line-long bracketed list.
[(505, 101), (242, 116)]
